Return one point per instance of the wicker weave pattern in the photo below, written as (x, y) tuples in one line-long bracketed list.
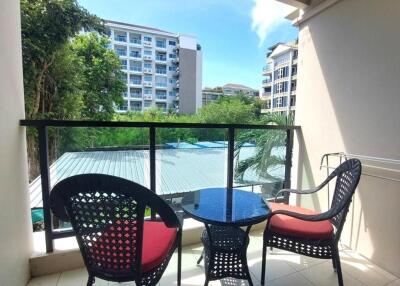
[(313, 248), (347, 177), (226, 255), (107, 215), (107, 227)]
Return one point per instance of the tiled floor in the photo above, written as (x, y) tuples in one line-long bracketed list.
[(283, 269)]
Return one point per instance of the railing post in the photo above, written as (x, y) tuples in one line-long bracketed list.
[(288, 163), (231, 154), (153, 164), (45, 180)]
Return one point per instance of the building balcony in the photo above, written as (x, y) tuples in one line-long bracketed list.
[(119, 38), (266, 82), (267, 70), (148, 97), (147, 84), (161, 59), (135, 42), (135, 83), (135, 55), (136, 70), (266, 95)]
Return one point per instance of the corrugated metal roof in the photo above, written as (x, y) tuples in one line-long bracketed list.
[(177, 170)]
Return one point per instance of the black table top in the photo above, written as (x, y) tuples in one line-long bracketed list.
[(220, 206)]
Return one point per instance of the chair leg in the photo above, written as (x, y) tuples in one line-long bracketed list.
[(179, 263), (206, 282), (334, 263), (200, 258), (338, 267), (90, 281), (264, 258)]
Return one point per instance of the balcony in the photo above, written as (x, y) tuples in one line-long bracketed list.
[(120, 38), (147, 43), (135, 41), (135, 55), (148, 97), (147, 84), (343, 122), (135, 83), (266, 82), (161, 59), (135, 69)]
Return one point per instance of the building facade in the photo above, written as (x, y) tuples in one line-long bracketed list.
[(234, 89), (162, 69), (211, 95), (280, 83)]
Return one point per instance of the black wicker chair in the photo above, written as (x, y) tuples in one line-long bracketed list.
[(116, 241), (309, 233)]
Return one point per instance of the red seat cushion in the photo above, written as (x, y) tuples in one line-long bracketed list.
[(157, 242), (287, 225), (111, 250)]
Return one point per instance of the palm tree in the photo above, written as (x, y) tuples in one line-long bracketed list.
[(267, 156)]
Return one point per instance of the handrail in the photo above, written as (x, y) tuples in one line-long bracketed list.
[(92, 123), (42, 127), (343, 155)]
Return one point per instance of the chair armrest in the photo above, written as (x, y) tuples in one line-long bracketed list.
[(300, 192)]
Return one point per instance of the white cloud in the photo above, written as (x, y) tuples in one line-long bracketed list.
[(267, 15)]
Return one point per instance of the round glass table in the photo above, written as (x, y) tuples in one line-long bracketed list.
[(224, 211)]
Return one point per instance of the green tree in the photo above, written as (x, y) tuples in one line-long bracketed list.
[(46, 28), (102, 84), (269, 147)]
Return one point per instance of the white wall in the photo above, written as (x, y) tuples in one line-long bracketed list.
[(15, 231), (348, 99)]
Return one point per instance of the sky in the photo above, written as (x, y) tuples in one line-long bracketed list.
[(234, 34)]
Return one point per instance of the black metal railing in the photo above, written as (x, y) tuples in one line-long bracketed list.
[(42, 127)]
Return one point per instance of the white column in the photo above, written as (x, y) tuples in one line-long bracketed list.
[(16, 236)]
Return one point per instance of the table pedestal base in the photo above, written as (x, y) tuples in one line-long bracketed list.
[(225, 253)]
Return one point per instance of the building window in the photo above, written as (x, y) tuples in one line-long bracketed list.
[(136, 106), (147, 38), (148, 91), (160, 43), (124, 64), (135, 66), (134, 54), (147, 52), (294, 70), (135, 93), (148, 78), (279, 102), (293, 85), (281, 87), (136, 79), (172, 56), (147, 65), (124, 105), (282, 72), (292, 101), (172, 68), (172, 93), (161, 69), (135, 39), (147, 104), (161, 94), (161, 81), (120, 52), (172, 81), (172, 43), (161, 57), (295, 54)]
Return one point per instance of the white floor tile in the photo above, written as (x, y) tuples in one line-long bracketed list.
[(47, 280)]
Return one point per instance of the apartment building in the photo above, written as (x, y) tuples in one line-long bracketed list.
[(162, 69), (211, 95), (234, 88), (279, 86)]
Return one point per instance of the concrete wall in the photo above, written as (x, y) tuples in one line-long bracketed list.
[(348, 99), (188, 88), (15, 229)]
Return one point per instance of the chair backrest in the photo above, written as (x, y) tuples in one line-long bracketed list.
[(107, 215), (347, 177)]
